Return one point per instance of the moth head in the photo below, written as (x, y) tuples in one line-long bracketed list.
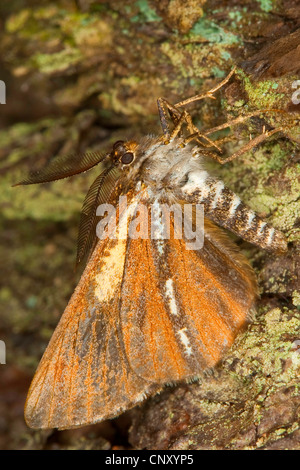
[(150, 162), (123, 153)]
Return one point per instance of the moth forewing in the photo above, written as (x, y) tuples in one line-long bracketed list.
[(84, 375)]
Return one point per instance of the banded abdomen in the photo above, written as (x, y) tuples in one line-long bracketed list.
[(225, 208)]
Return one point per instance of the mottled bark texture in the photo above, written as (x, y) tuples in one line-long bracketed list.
[(82, 74)]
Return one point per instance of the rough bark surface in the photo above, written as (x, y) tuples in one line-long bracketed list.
[(83, 74)]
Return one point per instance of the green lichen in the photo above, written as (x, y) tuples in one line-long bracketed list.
[(86, 31), (262, 93), (146, 13), (254, 182), (213, 32), (43, 203), (266, 352), (296, 298), (225, 55), (111, 101), (188, 59), (18, 21), (62, 39), (17, 133), (266, 5), (217, 72), (57, 62), (235, 15)]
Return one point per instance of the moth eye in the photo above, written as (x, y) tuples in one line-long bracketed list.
[(127, 158)]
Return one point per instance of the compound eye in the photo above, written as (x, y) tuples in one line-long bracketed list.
[(127, 158)]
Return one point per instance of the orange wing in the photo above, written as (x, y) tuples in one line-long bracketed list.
[(140, 317), (182, 309)]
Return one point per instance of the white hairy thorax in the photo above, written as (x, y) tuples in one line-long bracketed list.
[(162, 167)]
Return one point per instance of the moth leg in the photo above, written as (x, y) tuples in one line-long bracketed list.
[(253, 142), (197, 135), (245, 148), (224, 140), (208, 94), (178, 126), (178, 118), (215, 143), (240, 119)]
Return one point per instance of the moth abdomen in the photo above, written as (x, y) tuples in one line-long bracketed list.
[(252, 228), (226, 209)]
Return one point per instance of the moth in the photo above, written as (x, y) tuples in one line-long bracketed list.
[(148, 311)]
